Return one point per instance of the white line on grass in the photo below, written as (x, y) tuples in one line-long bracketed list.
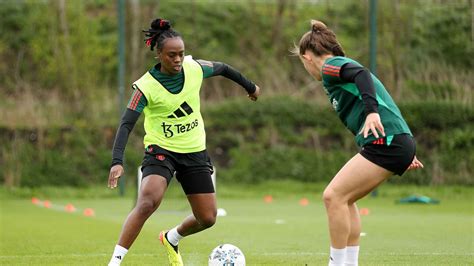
[(71, 255), (261, 254), (294, 253), (368, 253)]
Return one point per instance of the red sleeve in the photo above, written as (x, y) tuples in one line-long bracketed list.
[(137, 101), (331, 70)]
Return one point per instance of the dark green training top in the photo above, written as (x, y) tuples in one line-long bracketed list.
[(346, 99)]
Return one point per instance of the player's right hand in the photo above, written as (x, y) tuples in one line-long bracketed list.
[(115, 172), (372, 125)]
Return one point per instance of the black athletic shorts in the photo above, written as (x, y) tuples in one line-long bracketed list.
[(193, 170), (395, 157)]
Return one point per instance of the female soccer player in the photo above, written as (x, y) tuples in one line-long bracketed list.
[(367, 110), (175, 140)]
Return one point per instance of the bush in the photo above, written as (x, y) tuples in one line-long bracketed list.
[(275, 138), (280, 138), (255, 164), (59, 157)]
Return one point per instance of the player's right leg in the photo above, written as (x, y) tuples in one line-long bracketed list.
[(356, 179), (152, 190), (151, 193)]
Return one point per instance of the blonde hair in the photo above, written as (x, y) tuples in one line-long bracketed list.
[(320, 40)]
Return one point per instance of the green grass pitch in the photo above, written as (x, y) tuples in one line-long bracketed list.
[(278, 233)]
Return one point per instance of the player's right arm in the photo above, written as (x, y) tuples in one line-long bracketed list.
[(129, 119), (364, 83)]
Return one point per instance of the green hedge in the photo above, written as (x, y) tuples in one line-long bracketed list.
[(57, 156), (274, 138), (284, 137)]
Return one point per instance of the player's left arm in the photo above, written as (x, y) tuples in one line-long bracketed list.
[(363, 80), (415, 164), (211, 69)]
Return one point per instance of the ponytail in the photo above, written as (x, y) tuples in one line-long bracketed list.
[(320, 40), (160, 30)]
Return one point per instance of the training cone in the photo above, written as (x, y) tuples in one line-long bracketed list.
[(70, 208), (47, 204), (89, 212), (268, 198), (304, 202), (364, 211), (35, 201)]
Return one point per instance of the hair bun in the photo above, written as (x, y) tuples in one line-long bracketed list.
[(160, 24), (318, 26)]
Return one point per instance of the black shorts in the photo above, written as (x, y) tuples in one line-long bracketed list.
[(395, 157), (193, 170)]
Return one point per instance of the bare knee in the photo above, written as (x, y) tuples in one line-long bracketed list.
[(207, 220), (331, 197), (146, 207)]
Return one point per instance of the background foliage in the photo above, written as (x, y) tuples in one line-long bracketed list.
[(58, 76)]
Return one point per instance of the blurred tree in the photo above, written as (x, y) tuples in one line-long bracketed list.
[(58, 65), (135, 37), (442, 32)]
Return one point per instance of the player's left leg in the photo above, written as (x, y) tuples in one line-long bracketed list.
[(355, 229), (204, 214), (352, 251), (203, 217), (199, 190)]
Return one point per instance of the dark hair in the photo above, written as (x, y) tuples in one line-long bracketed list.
[(320, 40), (160, 30)]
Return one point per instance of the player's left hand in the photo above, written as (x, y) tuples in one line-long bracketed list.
[(373, 124), (255, 94), (415, 164)]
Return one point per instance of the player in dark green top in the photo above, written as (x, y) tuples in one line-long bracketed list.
[(367, 110), (168, 95)]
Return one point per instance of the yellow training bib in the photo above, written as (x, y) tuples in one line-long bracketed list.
[(174, 121)]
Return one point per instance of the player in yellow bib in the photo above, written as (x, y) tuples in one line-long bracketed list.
[(175, 139)]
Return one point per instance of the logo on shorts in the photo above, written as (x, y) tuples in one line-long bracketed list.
[(334, 104), (380, 141), (160, 157)]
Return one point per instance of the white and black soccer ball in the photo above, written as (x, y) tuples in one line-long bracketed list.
[(226, 255)]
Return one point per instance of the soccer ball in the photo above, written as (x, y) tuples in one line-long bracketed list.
[(226, 255)]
